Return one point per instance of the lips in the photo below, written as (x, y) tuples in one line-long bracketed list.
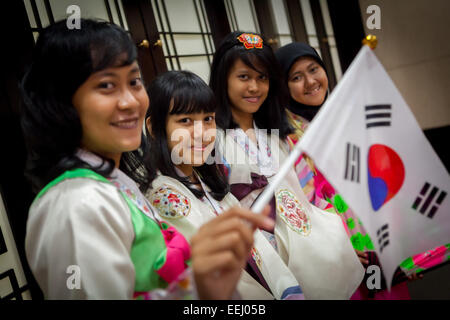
[(130, 123), (252, 99), (313, 91), (199, 148)]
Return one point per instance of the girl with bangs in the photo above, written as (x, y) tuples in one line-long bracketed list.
[(191, 188), (91, 234), (246, 79)]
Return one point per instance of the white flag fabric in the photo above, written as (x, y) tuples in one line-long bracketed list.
[(369, 146)]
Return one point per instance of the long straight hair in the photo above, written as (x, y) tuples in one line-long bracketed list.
[(271, 114), (63, 59), (188, 94)]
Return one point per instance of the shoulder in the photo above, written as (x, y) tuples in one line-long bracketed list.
[(170, 197), (80, 199)]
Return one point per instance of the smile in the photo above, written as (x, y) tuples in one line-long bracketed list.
[(126, 124), (202, 148), (314, 91), (252, 99)]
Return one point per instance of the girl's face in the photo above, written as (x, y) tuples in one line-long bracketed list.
[(247, 88), (190, 138), (308, 82), (111, 105)]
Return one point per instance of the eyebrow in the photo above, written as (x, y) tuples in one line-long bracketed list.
[(309, 66), (113, 74)]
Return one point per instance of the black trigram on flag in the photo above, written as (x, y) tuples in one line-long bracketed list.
[(383, 237), (352, 163), (378, 115), (429, 200)]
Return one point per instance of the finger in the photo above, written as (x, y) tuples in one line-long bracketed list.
[(257, 220), (363, 261), (261, 220), (231, 241), (242, 234), (217, 262), (231, 219), (361, 254)]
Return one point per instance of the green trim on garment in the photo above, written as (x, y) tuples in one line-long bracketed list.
[(351, 223), (368, 242), (408, 264), (339, 203), (76, 173), (357, 241), (148, 251)]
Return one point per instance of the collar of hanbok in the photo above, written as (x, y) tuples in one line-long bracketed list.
[(124, 183), (208, 199), (259, 153)]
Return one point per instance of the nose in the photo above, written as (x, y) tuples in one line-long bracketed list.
[(198, 130), (253, 85), (127, 100), (309, 81)]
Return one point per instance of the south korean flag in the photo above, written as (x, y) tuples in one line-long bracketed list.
[(369, 146)]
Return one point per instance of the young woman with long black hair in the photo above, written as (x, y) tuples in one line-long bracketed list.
[(191, 187), (91, 234), (247, 82)]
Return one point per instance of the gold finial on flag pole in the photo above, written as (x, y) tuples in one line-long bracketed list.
[(371, 41)]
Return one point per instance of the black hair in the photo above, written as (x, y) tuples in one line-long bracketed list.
[(188, 94), (63, 59), (271, 114)]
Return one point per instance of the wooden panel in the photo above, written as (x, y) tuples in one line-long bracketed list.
[(323, 42), (348, 29), (297, 23), (266, 22), (218, 20)]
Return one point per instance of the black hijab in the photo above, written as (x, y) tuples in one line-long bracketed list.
[(287, 56)]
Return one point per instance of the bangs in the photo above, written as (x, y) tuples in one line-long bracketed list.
[(111, 50), (251, 60), (194, 98)]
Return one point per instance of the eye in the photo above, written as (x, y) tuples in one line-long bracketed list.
[(296, 78), (136, 82), (209, 119), (314, 69), (184, 120), (243, 76), (106, 85), (263, 77)]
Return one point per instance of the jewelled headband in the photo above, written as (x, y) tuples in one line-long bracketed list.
[(251, 41)]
